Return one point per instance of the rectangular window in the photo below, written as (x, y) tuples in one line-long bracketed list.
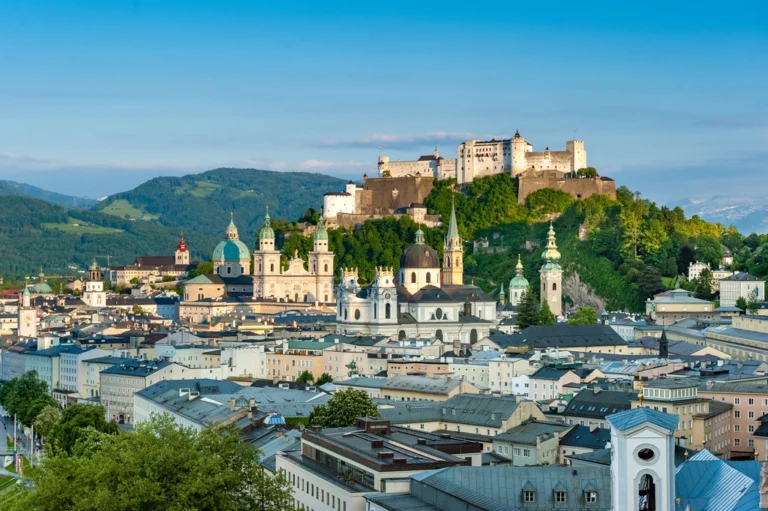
[(751, 401), (527, 453), (751, 414), (736, 442), (737, 414), (736, 401), (751, 428), (591, 496), (559, 496), (529, 496)]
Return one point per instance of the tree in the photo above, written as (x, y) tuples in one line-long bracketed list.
[(709, 250), (704, 285), (202, 269), (305, 377), (74, 423), (324, 378), (170, 467), (22, 393), (546, 317), (134, 280), (343, 409), (752, 304), (527, 310), (46, 419), (583, 316), (587, 172), (649, 283), (742, 304), (137, 309), (35, 407)]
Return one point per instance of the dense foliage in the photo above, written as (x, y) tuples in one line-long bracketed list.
[(25, 397), (583, 316), (203, 201), (160, 466), (343, 409), (74, 423), (25, 190)]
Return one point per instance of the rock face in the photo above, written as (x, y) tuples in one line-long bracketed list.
[(581, 294)]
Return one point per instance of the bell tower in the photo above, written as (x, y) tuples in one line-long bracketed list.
[(94, 295), (453, 253), (182, 251), (552, 275), (27, 316)]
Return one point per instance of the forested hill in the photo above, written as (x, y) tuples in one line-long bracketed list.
[(633, 247), (35, 233), (25, 190), (202, 202)]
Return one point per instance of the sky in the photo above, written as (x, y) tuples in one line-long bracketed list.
[(96, 97)]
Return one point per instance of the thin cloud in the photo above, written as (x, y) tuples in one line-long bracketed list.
[(399, 142)]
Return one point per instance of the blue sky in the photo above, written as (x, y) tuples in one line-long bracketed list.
[(96, 97)]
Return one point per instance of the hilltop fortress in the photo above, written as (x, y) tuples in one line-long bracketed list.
[(402, 186)]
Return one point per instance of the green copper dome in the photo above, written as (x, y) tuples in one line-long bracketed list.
[(321, 233), (551, 255), (518, 281), (267, 233), (231, 250)]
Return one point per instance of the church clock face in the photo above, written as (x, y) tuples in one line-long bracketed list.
[(27, 318), (387, 296)]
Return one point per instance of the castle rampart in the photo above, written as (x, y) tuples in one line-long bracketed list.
[(579, 187)]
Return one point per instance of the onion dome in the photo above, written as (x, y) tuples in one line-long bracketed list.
[(94, 265), (551, 255), (25, 292), (41, 287), (182, 246), (519, 281), (267, 233), (419, 255)]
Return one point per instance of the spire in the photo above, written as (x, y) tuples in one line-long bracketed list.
[(663, 345), (419, 237), (453, 228), (232, 228), (501, 289), (182, 246), (267, 232), (519, 266), (321, 233)]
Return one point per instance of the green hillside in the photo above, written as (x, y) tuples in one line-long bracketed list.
[(35, 233), (25, 190), (202, 202)]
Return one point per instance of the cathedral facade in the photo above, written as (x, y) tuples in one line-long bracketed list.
[(300, 282), (424, 299)]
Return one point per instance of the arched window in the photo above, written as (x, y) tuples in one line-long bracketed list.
[(439, 335), (259, 267), (357, 313), (401, 336), (387, 311), (554, 286), (325, 268), (473, 336), (458, 262), (413, 277), (272, 267), (429, 277), (345, 313), (448, 262), (375, 312)]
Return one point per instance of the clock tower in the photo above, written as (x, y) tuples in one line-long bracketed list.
[(27, 316), (94, 295)]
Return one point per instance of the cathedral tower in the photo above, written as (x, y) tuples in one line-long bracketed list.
[(182, 252), (321, 264), (518, 285), (453, 254), (552, 275)]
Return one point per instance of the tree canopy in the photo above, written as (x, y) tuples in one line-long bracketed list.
[(546, 316), (528, 310), (25, 396), (74, 423), (159, 467), (583, 316), (343, 409)]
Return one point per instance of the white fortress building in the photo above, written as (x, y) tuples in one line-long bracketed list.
[(478, 158), (430, 165)]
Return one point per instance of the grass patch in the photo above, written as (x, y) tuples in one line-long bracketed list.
[(669, 282), (204, 188), (125, 209), (75, 226)]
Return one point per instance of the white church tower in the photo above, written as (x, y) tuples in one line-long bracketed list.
[(27, 316), (642, 460), (94, 295)]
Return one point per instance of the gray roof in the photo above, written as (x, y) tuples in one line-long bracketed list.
[(501, 488), (550, 373), (742, 277), (423, 384), (479, 410), (528, 432), (561, 336), (628, 419), (598, 405), (586, 437), (735, 387)]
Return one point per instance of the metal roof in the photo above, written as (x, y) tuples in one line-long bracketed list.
[(707, 482), (628, 419)]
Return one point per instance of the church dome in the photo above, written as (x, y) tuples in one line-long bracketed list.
[(182, 246), (231, 250), (519, 281), (41, 287), (419, 255)]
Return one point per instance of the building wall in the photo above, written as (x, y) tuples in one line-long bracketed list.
[(747, 408), (504, 372), (431, 369), (550, 389), (243, 361), (307, 488), (732, 290), (288, 367)]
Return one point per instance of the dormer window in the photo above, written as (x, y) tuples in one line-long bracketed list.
[(529, 496), (590, 497), (560, 497)]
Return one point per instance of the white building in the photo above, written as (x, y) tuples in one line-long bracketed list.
[(244, 360), (695, 269), (73, 368), (416, 303), (119, 382), (430, 165), (505, 372), (741, 285)]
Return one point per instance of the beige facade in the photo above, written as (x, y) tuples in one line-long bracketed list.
[(502, 371), (677, 304), (432, 165), (414, 394)]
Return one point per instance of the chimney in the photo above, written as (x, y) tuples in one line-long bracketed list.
[(593, 427), (231, 405), (596, 390), (739, 364)]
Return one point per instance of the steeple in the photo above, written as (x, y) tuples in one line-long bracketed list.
[(551, 275), (453, 252), (663, 345), (501, 294), (551, 255), (232, 228), (267, 232), (519, 266)]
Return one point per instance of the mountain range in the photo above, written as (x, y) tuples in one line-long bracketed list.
[(746, 214), (25, 190)]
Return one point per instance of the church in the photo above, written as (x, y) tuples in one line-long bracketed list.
[(422, 300)]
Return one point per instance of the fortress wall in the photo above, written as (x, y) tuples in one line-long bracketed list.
[(404, 168), (577, 187), (395, 192)]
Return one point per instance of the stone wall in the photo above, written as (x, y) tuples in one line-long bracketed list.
[(581, 188), (386, 194)]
